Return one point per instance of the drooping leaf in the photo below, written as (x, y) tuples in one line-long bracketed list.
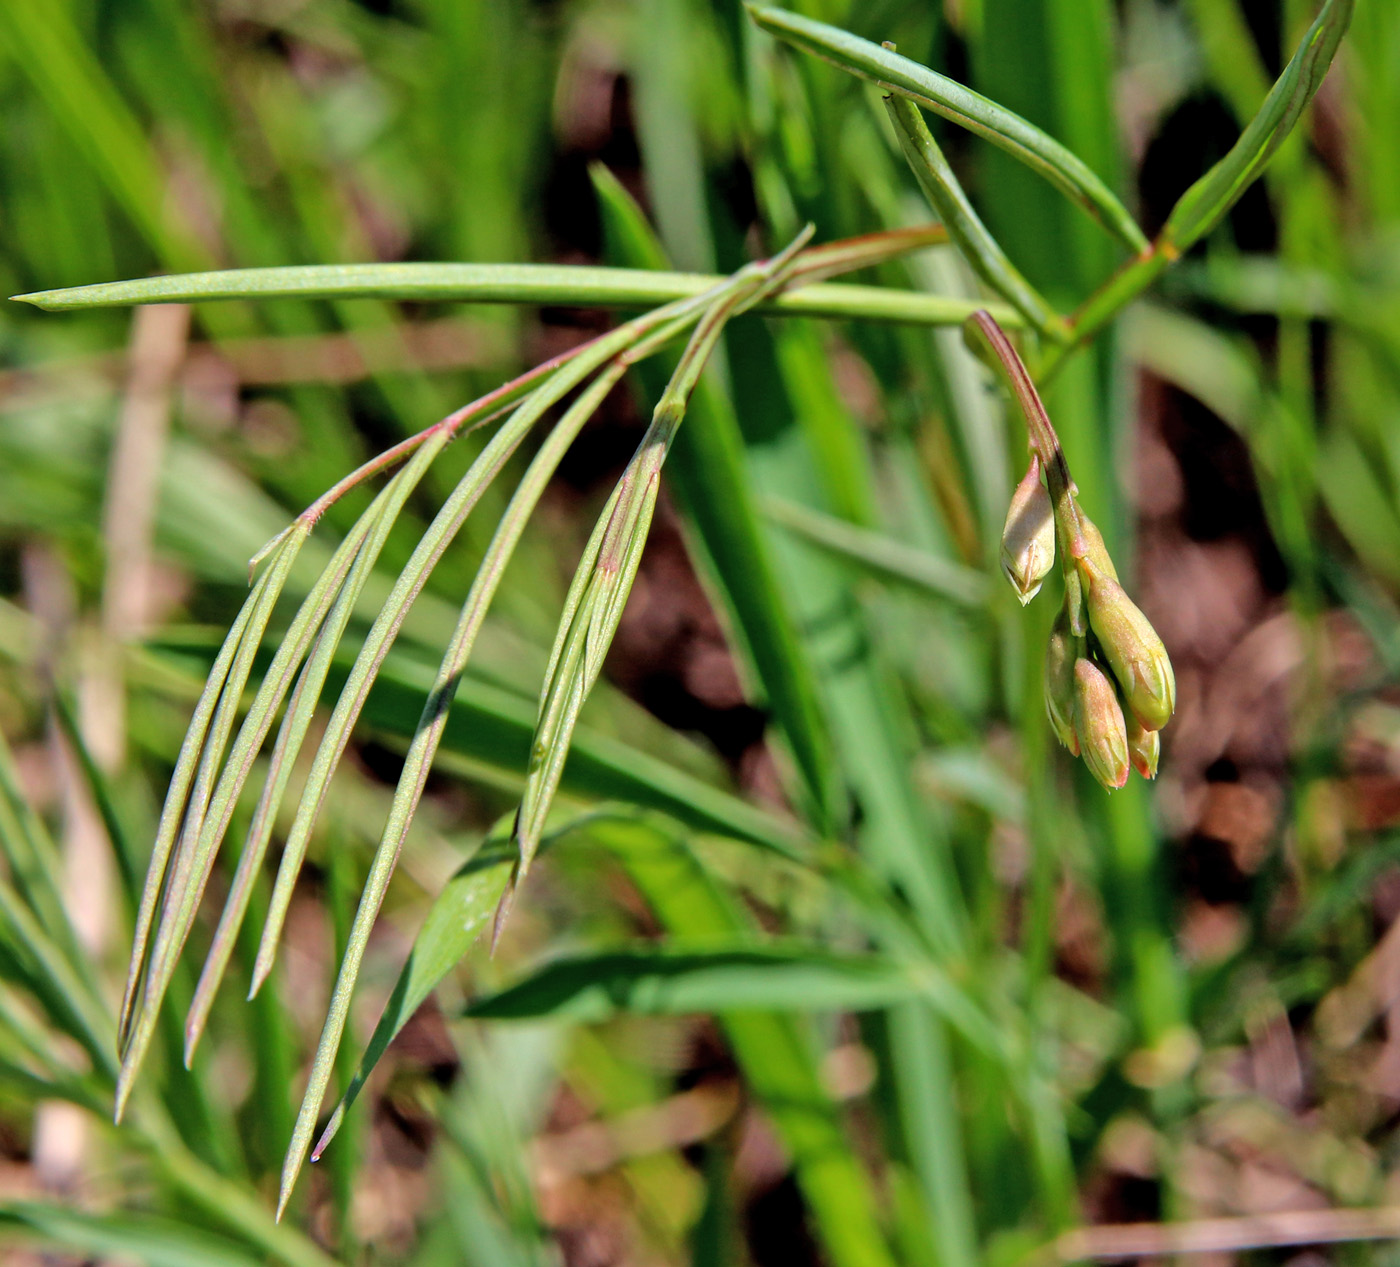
[(573, 284), (954, 101), (666, 981), (1204, 205)]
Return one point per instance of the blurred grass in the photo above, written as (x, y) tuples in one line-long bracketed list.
[(1190, 986)]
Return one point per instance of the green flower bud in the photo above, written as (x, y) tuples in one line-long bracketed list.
[(1144, 748), (1131, 647), (1028, 539), (1098, 721), (1060, 654), (1097, 552)]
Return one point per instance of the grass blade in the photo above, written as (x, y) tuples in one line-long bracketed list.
[(175, 798), (881, 556), (179, 896), (33, 861), (776, 1053), (141, 1238), (423, 748), (1004, 129), (553, 284), (406, 588), (67, 994), (604, 577), (677, 981), (324, 615), (712, 480), (459, 916), (1203, 206), (965, 227)]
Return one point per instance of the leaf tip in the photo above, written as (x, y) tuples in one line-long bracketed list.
[(329, 1133), (290, 1169), (260, 971), (125, 1080), (503, 908), (194, 1029)]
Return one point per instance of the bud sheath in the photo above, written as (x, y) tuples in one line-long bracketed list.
[(1144, 748), (1028, 539), (1060, 654), (1131, 647), (1098, 721)]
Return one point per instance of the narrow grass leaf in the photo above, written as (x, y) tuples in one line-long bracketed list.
[(421, 751), (179, 895), (1003, 128), (67, 995), (323, 616), (672, 981), (775, 1051), (1203, 206), (459, 916), (711, 476), (307, 694), (603, 581), (552, 284), (174, 809), (35, 867), (117, 1235), (488, 733), (429, 550), (981, 250), (881, 556)]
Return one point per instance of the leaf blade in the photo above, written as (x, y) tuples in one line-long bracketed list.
[(961, 105), (561, 285)]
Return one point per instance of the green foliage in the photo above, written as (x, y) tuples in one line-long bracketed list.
[(875, 937)]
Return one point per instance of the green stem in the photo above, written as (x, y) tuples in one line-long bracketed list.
[(1106, 303)]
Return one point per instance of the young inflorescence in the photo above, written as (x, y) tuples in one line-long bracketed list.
[(1109, 686)]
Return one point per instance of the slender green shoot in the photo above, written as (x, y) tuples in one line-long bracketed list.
[(965, 227), (179, 898), (917, 83), (604, 577)]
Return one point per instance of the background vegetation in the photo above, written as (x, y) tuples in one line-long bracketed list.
[(833, 955)]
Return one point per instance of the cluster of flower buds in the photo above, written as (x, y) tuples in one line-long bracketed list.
[(1109, 686)]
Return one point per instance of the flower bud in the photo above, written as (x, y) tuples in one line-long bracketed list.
[(1097, 552), (1144, 748), (1131, 647), (1060, 654), (1098, 721), (1028, 539)]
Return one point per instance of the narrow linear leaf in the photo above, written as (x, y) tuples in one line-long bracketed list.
[(176, 796), (488, 734), (429, 550), (421, 751), (35, 867), (1203, 206), (965, 227), (1003, 128), (880, 555), (669, 981), (113, 1234), (68, 995), (457, 919), (179, 896), (604, 578), (324, 614), (775, 1051), (552, 284), (712, 478)]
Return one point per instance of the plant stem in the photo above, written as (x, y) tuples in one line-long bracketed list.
[(1106, 303)]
